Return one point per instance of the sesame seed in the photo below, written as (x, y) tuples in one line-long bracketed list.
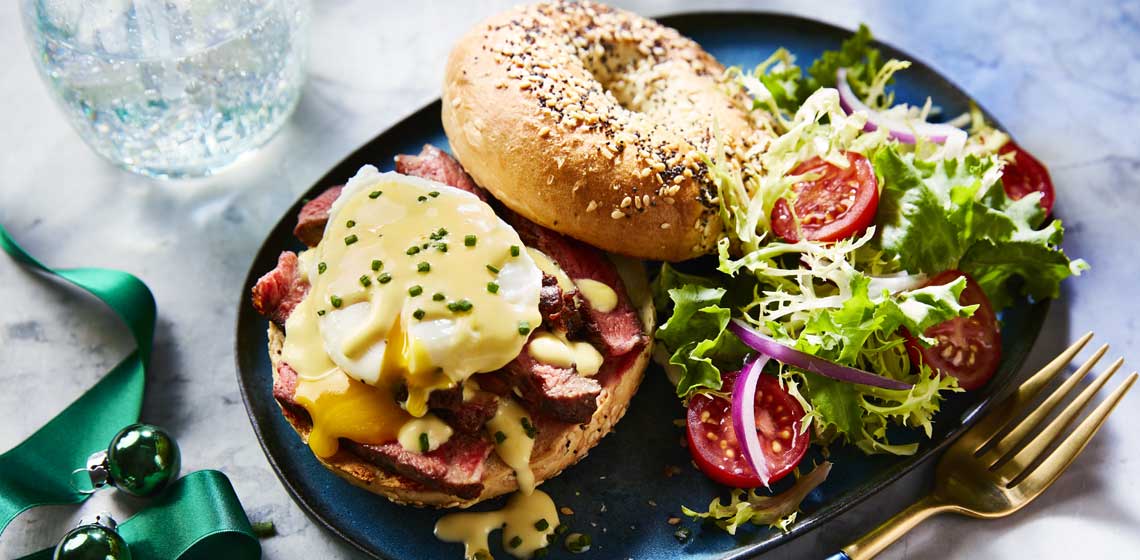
[(617, 214)]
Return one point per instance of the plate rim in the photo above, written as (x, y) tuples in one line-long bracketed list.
[(1038, 312)]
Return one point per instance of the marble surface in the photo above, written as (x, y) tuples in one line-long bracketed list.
[(1063, 76)]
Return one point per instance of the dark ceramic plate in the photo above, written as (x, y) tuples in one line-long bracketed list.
[(619, 493)]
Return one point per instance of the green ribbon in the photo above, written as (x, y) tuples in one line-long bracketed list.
[(197, 517)]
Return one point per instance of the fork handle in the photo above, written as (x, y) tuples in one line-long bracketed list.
[(869, 545)]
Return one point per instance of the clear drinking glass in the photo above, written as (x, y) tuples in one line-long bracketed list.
[(171, 88)]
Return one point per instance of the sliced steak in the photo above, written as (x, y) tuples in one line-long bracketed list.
[(463, 416), (314, 215), (437, 165), (280, 290), (456, 467), (557, 392), (284, 389), (560, 310), (619, 330)]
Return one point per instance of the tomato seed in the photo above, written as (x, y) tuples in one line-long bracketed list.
[(776, 447)]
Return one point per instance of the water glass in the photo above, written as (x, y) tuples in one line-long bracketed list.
[(171, 88)]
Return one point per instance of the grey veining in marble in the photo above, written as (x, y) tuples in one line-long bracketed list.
[(1064, 76)]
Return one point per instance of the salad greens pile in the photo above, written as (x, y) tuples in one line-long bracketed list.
[(942, 206)]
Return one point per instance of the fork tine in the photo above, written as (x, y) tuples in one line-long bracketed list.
[(1003, 445), (1024, 457), (1000, 415), (1043, 476)]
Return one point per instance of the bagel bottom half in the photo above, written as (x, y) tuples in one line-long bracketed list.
[(558, 445)]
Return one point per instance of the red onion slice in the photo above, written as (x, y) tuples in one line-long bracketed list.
[(793, 357), (744, 416), (903, 130)]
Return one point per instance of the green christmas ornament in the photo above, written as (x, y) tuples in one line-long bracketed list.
[(93, 541), (142, 460)]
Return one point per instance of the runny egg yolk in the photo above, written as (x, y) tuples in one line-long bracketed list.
[(415, 286)]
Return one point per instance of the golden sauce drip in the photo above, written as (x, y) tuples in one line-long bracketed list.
[(512, 442), (554, 349), (412, 434), (520, 520), (601, 297), (547, 265)]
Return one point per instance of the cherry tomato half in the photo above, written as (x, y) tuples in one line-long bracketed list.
[(713, 443), (968, 348), (1026, 175), (839, 204)]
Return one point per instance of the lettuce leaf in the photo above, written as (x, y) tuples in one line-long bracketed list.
[(954, 213), (747, 506)]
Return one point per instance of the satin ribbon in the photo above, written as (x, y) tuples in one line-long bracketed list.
[(197, 517)]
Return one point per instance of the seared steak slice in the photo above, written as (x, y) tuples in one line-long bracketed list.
[(619, 330), (467, 417), (437, 165), (559, 393), (456, 467), (280, 290), (314, 215), (560, 310)]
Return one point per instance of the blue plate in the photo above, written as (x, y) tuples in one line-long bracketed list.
[(619, 493)]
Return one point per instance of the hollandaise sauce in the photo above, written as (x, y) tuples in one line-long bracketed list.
[(414, 287), (527, 521)]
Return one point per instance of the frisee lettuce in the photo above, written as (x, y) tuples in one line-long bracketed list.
[(746, 506)]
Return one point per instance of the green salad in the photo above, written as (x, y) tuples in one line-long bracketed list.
[(866, 251)]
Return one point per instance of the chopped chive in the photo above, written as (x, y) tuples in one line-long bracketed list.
[(442, 247), (482, 555), (529, 428), (438, 296), (492, 287), (263, 529), (336, 301), (461, 305), (376, 264), (542, 552), (542, 524), (415, 290), (493, 269), (424, 443), (322, 267), (433, 194), (438, 234), (577, 542), (425, 245), (384, 278), (515, 542), (500, 437), (423, 267), (561, 529), (419, 314), (412, 250), (351, 239), (375, 194), (365, 281), (524, 327), (350, 223), (421, 198), (320, 313), (515, 250), (469, 240), (682, 535)]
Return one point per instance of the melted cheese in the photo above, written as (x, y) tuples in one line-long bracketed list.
[(601, 297), (547, 265), (411, 436), (370, 329), (520, 520), (512, 443), (554, 349)]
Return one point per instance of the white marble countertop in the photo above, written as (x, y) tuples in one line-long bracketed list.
[(1064, 78)]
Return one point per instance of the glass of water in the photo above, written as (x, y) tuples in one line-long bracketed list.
[(171, 88)]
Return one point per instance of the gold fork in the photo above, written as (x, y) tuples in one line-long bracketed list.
[(996, 468)]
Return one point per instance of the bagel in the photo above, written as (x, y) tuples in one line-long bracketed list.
[(594, 122), (557, 445)]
